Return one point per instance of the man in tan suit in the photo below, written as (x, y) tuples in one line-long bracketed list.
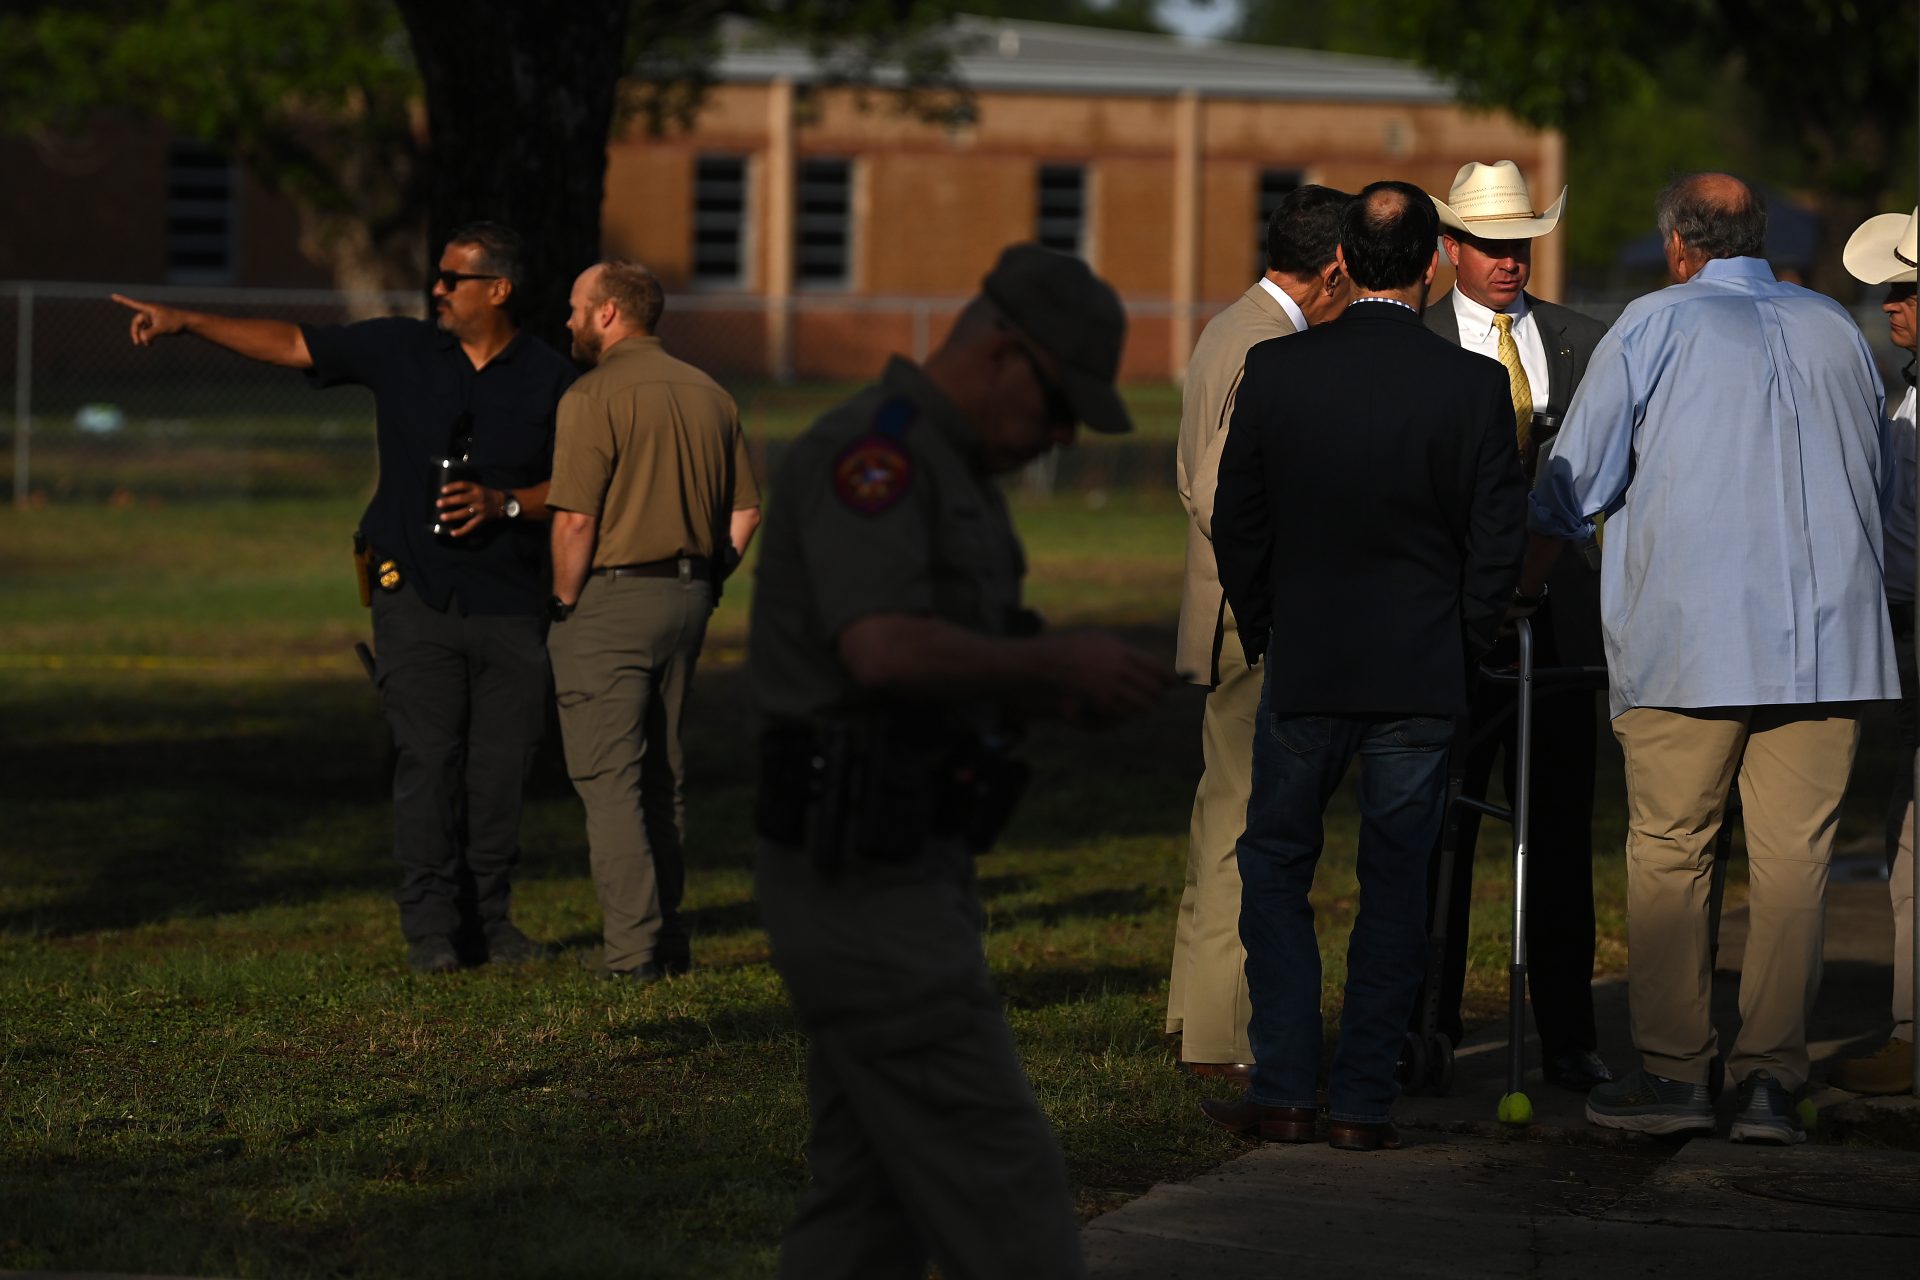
[(1303, 285)]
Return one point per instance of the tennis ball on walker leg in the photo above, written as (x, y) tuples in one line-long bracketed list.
[(1516, 1109)]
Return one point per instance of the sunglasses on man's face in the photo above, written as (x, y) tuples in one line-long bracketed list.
[(1059, 409), (450, 280)]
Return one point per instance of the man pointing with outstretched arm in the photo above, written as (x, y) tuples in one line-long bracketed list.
[(458, 614)]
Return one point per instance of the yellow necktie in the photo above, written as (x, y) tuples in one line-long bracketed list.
[(1509, 354)]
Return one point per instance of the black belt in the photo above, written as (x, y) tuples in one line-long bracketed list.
[(696, 567)]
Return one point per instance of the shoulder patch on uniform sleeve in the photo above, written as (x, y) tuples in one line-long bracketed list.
[(872, 474)]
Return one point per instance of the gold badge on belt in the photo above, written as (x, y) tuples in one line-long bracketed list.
[(371, 569)]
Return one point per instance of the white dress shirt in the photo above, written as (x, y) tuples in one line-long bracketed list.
[(1288, 305), (1477, 334)]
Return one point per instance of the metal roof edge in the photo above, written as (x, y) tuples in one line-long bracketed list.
[(1165, 64)]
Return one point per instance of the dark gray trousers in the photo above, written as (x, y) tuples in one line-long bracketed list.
[(465, 698), (927, 1140)]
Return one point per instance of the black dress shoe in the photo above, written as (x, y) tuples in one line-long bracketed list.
[(507, 945), (1579, 1070), (432, 955), (1243, 1115), (1351, 1135), (644, 974)]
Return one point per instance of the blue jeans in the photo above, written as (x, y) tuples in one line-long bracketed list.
[(1298, 760)]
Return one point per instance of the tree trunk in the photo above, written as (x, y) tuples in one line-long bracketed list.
[(520, 99), (364, 267)]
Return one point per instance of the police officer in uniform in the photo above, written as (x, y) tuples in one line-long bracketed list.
[(888, 654)]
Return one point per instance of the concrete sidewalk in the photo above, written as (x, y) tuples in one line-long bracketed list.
[(1468, 1196)]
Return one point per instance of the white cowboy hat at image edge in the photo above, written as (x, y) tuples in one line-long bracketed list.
[(1883, 249), (1493, 202)]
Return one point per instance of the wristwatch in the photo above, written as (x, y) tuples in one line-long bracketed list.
[(558, 610), (511, 510), (1530, 602)]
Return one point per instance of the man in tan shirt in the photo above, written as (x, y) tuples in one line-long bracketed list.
[(654, 501), (1207, 996)]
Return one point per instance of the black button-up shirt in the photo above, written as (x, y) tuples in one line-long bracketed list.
[(423, 386)]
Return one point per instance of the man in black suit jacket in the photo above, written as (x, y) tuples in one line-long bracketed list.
[(1487, 229), (1368, 526)]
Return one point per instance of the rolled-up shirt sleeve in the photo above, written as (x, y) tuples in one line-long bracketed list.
[(1592, 458)]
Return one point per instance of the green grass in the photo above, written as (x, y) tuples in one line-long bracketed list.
[(268, 438), (213, 1062)]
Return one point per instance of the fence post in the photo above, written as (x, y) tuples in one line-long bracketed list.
[(22, 396)]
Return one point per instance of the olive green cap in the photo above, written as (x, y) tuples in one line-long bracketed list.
[(1058, 304)]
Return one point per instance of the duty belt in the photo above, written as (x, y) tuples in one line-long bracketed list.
[(877, 791)]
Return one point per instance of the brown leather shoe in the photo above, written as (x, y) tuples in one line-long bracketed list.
[(1350, 1135), (1217, 1070), (1243, 1115)]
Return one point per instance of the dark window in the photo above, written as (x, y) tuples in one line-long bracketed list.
[(823, 225), (200, 214), (720, 220), (1061, 217), (1274, 184)]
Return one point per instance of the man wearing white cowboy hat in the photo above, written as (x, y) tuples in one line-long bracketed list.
[(1883, 251), (1487, 227)]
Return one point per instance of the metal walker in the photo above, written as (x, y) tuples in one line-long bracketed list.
[(1428, 1054)]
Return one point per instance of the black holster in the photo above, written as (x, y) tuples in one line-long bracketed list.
[(981, 785), (877, 791)]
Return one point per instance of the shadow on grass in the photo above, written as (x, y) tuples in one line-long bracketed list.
[(1051, 983), (136, 799), (469, 1182), (684, 1034), (139, 798), (1101, 904)]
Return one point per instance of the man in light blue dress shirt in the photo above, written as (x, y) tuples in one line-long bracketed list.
[(1731, 429)]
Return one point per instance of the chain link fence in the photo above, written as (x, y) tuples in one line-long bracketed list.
[(91, 418)]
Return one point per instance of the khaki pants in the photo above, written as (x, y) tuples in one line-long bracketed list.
[(1207, 996), (1793, 763), (622, 665)]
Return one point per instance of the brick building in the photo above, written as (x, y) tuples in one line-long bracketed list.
[(1156, 158), (801, 233)]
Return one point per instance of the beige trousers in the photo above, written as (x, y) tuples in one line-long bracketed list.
[(1207, 996), (1901, 887), (1793, 763)]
